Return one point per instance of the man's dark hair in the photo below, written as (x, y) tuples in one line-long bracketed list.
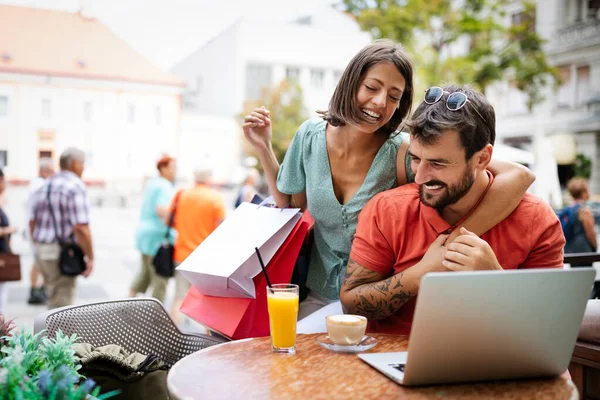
[(343, 107), (429, 121), (1, 173)]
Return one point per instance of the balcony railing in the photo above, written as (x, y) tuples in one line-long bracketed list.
[(575, 36)]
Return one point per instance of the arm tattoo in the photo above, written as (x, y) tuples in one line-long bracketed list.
[(371, 296)]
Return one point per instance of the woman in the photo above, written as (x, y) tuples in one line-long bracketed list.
[(152, 229), (336, 163), (5, 231)]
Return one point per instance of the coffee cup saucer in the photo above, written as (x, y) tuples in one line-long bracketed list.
[(366, 343)]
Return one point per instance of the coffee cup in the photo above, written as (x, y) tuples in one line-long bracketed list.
[(346, 329)]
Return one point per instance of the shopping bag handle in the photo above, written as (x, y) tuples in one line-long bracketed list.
[(270, 202)]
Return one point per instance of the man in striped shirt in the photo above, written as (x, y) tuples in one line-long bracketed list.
[(66, 194)]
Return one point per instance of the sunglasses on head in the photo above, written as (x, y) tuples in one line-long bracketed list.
[(454, 102)]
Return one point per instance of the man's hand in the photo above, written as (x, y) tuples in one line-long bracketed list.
[(469, 252), (432, 259), (89, 266)]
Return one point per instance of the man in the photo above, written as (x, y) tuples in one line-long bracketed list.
[(199, 212), (37, 294), (70, 207), (151, 229), (401, 233)]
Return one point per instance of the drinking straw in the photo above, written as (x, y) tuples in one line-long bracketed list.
[(262, 265)]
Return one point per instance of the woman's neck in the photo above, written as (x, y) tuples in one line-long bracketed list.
[(350, 139)]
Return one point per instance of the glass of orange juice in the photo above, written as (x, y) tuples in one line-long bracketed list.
[(282, 301)]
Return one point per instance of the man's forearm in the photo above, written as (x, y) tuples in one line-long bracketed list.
[(378, 300), (83, 236)]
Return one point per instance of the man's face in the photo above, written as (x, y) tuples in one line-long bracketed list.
[(78, 167), (170, 171), (46, 172), (441, 171)]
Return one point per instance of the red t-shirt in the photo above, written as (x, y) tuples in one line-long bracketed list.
[(395, 230)]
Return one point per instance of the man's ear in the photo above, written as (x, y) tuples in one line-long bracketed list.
[(485, 156)]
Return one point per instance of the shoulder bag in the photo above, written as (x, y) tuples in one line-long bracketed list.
[(71, 261), (163, 262)]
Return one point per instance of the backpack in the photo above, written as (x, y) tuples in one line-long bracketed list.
[(568, 216)]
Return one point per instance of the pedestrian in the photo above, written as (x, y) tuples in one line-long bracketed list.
[(337, 162), (151, 229), (37, 292), (199, 212), (579, 227), (5, 231), (61, 215), (249, 187)]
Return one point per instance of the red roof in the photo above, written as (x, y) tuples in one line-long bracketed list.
[(47, 42)]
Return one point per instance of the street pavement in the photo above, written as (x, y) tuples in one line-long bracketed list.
[(116, 259)]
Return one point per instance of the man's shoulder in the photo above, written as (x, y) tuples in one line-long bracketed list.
[(66, 181), (533, 213), (402, 197), (533, 203)]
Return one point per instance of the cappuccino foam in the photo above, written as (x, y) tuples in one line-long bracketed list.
[(345, 319)]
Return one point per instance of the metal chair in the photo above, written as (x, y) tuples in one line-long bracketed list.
[(577, 259), (138, 325)]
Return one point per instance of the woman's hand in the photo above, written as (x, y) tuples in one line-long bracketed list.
[(257, 128)]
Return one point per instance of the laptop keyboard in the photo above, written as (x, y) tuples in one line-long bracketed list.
[(399, 367)]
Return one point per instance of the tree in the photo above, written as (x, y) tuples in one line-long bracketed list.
[(437, 33), (286, 104)]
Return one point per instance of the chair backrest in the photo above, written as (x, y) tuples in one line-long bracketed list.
[(138, 325), (581, 258)]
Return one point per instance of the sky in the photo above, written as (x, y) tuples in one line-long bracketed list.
[(166, 31)]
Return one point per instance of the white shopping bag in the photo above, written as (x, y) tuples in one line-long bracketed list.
[(225, 263)]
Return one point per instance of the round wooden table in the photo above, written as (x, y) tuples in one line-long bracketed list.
[(247, 369)]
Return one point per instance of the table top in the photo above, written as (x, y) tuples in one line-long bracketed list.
[(248, 369)]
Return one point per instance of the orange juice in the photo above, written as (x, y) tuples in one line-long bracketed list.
[(283, 312)]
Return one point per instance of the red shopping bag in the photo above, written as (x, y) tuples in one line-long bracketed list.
[(240, 318)]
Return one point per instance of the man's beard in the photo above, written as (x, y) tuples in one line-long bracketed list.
[(450, 195)]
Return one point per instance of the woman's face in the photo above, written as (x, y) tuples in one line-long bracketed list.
[(379, 94)]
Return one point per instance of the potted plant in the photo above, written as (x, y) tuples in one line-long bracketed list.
[(39, 368)]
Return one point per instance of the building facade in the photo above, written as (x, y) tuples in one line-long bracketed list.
[(571, 29), (81, 85), (249, 56)]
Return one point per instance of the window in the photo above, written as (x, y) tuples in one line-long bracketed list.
[(258, 76), (46, 108), (517, 101), (3, 158), (292, 74), (583, 90), (88, 112), (593, 7), (564, 94), (131, 114), (316, 78), (3, 106), (158, 115)]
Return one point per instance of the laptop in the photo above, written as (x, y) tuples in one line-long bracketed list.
[(490, 325)]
